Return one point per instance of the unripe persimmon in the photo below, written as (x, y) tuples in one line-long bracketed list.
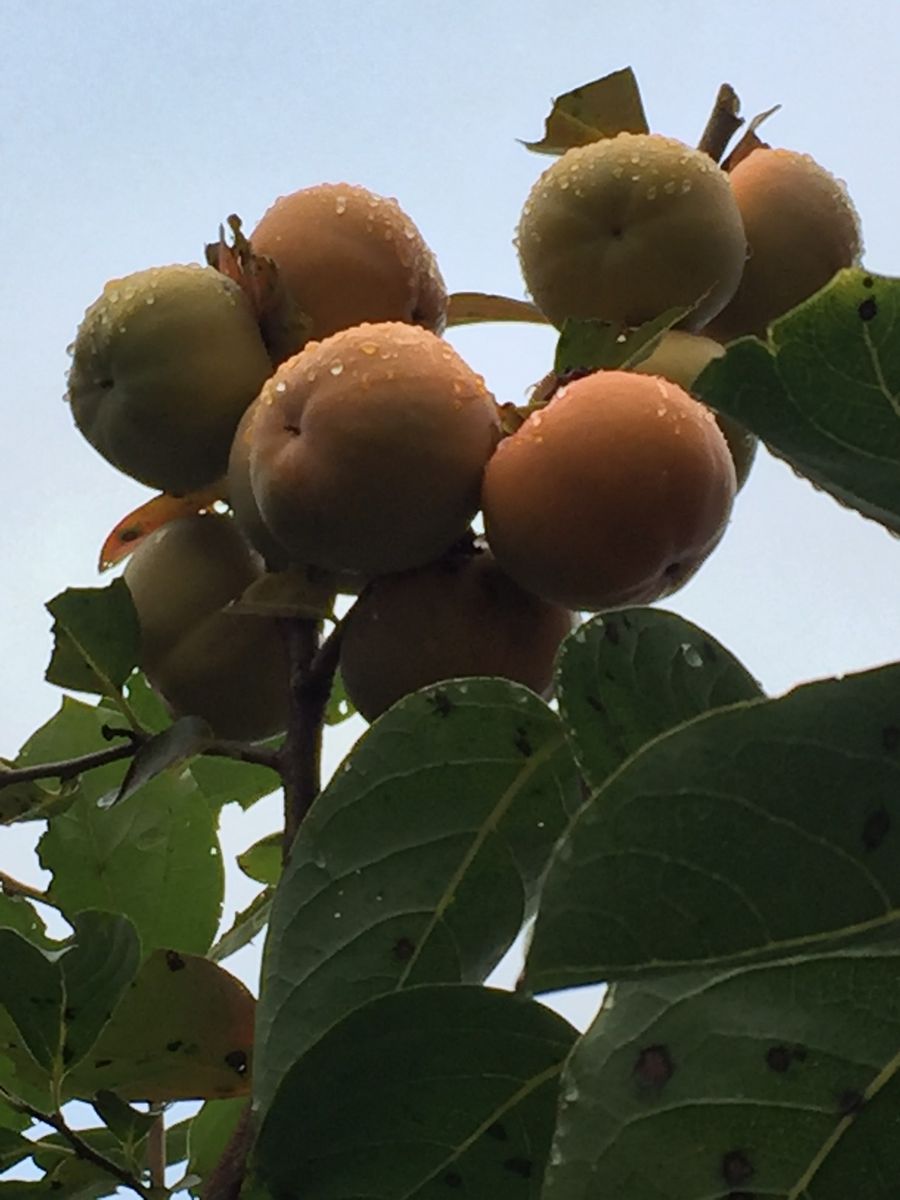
[(624, 228), (163, 365), (347, 255), (229, 669), (801, 228), (613, 494), (681, 357), (367, 450), (457, 617)]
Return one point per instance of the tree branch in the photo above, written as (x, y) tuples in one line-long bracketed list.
[(261, 756), (67, 768), (227, 1177), (723, 123), (14, 887), (301, 755), (156, 1149), (82, 1149)]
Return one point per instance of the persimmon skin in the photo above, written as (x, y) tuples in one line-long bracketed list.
[(164, 364), (624, 228), (368, 449), (612, 495), (459, 617), (801, 228), (681, 357), (347, 255), (229, 669)]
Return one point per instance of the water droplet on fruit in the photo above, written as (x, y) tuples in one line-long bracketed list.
[(336, 368), (281, 387), (563, 184), (340, 206), (617, 172), (685, 186), (651, 193), (150, 300), (368, 347), (669, 186)]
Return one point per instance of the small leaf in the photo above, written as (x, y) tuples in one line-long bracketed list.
[(97, 638), (262, 861), (184, 1031), (127, 1125), (152, 515), (741, 1082), (420, 860), (187, 737), (823, 392), (754, 832), (600, 346), (17, 913), (227, 781), (340, 706), (474, 308), (247, 924), (210, 1132), (100, 962), (592, 112), (13, 1148), (628, 676), (418, 1093)]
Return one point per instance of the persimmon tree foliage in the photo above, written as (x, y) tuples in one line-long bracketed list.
[(349, 518)]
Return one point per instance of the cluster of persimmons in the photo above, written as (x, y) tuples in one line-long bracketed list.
[(350, 439)]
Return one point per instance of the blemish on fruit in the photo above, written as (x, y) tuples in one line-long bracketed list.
[(237, 1060), (654, 1067), (174, 961), (868, 309), (736, 1167), (876, 828), (522, 1167)]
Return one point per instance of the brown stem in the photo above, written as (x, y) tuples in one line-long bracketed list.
[(723, 123), (261, 756), (83, 1149), (67, 768), (301, 754), (156, 1150), (227, 1177), (15, 887)]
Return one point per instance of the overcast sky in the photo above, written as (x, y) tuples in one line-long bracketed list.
[(128, 131)]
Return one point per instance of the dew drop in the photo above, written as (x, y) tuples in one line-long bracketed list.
[(368, 348), (337, 916), (281, 387), (651, 193), (669, 186), (685, 186), (340, 206), (150, 300), (336, 368), (691, 655), (617, 172), (563, 185)]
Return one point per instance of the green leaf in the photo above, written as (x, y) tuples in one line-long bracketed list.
[(13, 1148), (97, 638), (247, 924), (596, 110), (823, 393), (32, 800), (146, 704), (181, 741), (628, 676), (17, 913), (769, 1080), (591, 345), (155, 857), (262, 861), (475, 308), (31, 991), (758, 831), (417, 1093), (128, 1126), (211, 1130), (76, 729), (183, 1031), (419, 861), (340, 706), (226, 781)]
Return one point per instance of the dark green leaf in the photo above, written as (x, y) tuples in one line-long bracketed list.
[(146, 704), (17, 913), (773, 1080), (97, 638), (31, 991), (181, 741), (754, 832), (247, 924), (154, 857), (262, 861), (418, 862), (126, 1124), (596, 110), (100, 963), (823, 393), (340, 707), (417, 1093), (32, 800), (13, 1148), (626, 677)]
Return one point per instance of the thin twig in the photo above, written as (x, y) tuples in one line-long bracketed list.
[(261, 756), (15, 887), (227, 1177), (83, 1149), (156, 1149), (723, 123), (301, 755), (67, 768)]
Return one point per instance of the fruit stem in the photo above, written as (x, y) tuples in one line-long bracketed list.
[(723, 123), (301, 755)]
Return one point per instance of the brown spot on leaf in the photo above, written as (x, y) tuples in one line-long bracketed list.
[(441, 703), (868, 282), (596, 705), (498, 1132), (868, 309), (174, 961), (403, 949), (611, 632), (237, 1060), (100, 1063), (876, 828), (453, 1179), (778, 1058), (523, 742), (736, 1167), (654, 1067)]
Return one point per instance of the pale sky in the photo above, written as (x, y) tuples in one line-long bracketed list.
[(128, 131)]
